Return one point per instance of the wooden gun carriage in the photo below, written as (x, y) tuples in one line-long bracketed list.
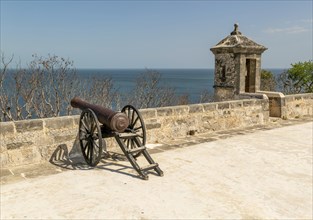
[(127, 127)]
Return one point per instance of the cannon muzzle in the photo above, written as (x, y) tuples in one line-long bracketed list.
[(116, 121)]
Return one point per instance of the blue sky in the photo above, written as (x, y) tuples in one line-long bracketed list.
[(153, 34)]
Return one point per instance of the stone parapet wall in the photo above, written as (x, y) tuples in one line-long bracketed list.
[(34, 141), (167, 123), (299, 105), (31, 141), (276, 103)]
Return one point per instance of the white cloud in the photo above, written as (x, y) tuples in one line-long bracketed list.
[(288, 30)]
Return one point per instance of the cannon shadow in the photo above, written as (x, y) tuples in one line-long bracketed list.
[(74, 160), (61, 158)]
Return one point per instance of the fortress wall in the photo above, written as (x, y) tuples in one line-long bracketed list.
[(166, 123), (299, 105), (35, 141), (32, 141)]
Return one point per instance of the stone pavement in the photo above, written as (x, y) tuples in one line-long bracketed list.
[(263, 172)]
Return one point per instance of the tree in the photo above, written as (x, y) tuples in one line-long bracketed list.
[(297, 79), (45, 88), (148, 92), (268, 82), (206, 96)]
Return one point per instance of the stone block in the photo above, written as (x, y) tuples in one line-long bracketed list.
[(289, 98), (29, 125), (207, 118), (266, 117), (258, 101), (6, 128), (181, 110), (148, 113), (275, 106), (59, 122), (53, 152), (76, 119), (153, 126), (64, 138), (265, 106), (235, 104), (3, 161), (223, 105), (17, 145), (181, 121), (247, 103), (30, 156), (208, 107), (3, 148), (164, 111), (196, 108)]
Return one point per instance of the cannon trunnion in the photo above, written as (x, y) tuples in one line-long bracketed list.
[(127, 127)]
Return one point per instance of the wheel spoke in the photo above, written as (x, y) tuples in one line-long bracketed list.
[(91, 152), (96, 136), (83, 130), (96, 144), (84, 123), (84, 145), (132, 118), (87, 122), (133, 124), (128, 143), (140, 127), (87, 149), (83, 138), (93, 126)]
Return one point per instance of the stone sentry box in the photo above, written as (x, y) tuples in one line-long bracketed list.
[(237, 66)]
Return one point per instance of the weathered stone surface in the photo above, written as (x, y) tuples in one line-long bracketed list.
[(76, 119), (209, 107), (29, 125), (247, 103), (148, 113), (59, 122), (153, 126), (196, 108), (298, 105), (289, 98), (164, 111), (223, 105), (3, 160), (181, 121), (64, 138), (181, 110), (19, 145), (235, 104), (6, 128)]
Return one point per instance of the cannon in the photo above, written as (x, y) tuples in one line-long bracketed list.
[(127, 127)]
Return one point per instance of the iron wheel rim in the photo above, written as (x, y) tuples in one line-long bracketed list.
[(90, 137)]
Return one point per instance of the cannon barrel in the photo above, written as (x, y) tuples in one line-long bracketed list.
[(116, 121)]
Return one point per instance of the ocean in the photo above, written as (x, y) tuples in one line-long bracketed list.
[(191, 82)]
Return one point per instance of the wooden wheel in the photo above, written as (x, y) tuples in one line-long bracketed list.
[(136, 126), (90, 137)]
